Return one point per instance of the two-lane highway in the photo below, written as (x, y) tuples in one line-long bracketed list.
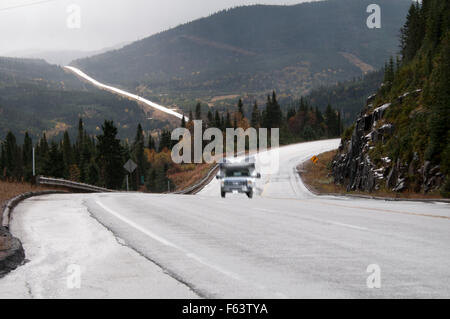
[(285, 243)]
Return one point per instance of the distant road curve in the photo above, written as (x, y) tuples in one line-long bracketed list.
[(124, 93)]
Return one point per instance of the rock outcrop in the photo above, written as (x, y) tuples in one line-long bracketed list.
[(12, 254), (353, 167)]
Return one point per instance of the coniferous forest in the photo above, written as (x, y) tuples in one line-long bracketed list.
[(99, 160)]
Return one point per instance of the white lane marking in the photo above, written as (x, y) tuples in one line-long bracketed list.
[(186, 252), (320, 220), (349, 226), (266, 210), (168, 243), (122, 92)]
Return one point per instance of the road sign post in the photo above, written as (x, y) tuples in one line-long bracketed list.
[(130, 167), (34, 163)]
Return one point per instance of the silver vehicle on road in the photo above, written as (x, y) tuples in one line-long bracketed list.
[(237, 178)]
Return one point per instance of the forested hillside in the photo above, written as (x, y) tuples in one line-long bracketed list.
[(347, 96), (402, 141), (254, 49), (38, 97)]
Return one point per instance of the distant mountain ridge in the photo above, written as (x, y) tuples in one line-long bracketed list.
[(60, 57), (256, 49)]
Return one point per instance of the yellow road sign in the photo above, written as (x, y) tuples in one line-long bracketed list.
[(314, 159)]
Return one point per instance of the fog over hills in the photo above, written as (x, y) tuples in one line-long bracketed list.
[(60, 57)]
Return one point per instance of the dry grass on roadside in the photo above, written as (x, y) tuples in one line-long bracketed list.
[(9, 190), (318, 178), (192, 174)]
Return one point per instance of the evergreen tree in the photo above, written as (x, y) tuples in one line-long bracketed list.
[(157, 180), (290, 113), (54, 164), (319, 116), (11, 155), (79, 141), (210, 119), (223, 123), (165, 141), (42, 151), (85, 158), (138, 155), (241, 108), (228, 121), (67, 154), (93, 174), (276, 111), (2, 160), (412, 33), (272, 115), (256, 116), (389, 72), (267, 120), (198, 111), (109, 157), (27, 155), (438, 96), (303, 107), (217, 121), (331, 121)]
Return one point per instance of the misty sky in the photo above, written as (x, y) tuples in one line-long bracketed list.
[(104, 23)]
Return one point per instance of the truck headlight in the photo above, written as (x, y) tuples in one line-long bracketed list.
[(222, 183)]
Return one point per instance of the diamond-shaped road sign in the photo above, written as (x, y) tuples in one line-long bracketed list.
[(315, 159), (130, 166)]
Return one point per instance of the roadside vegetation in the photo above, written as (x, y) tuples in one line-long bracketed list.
[(98, 160), (401, 140), (319, 179)]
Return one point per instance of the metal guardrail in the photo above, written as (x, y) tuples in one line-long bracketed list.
[(199, 186), (41, 180)]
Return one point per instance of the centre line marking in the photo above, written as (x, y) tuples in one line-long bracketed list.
[(319, 220), (168, 243)]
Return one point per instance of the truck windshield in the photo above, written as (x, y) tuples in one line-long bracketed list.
[(237, 173)]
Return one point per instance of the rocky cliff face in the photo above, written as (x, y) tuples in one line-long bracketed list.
[(354, 168)]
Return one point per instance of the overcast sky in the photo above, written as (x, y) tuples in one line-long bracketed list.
[(42, 24)]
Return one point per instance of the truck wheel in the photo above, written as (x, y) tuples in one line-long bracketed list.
[(222, 194), (250, 194)]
